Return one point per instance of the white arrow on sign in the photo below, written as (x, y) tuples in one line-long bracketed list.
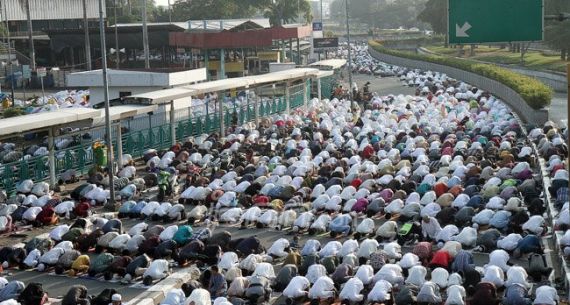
[(462, 31)]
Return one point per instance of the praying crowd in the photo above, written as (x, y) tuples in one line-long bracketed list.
[(435, 198)]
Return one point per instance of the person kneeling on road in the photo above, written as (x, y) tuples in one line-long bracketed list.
[(157, 270)]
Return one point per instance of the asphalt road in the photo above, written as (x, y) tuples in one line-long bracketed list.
[(57, 286), (558, 111)]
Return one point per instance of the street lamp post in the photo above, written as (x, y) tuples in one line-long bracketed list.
[(87, 42), (108, 138), (31, 37), (145, 37), (118, 54), (9, 62), (349, 53)]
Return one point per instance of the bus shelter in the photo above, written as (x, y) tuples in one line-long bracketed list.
[(52, 122), (327, 83)]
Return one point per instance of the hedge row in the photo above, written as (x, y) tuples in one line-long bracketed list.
[(412, 41), (535, 93)]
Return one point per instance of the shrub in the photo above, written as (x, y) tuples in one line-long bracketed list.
[(535, 93), (12, 112)]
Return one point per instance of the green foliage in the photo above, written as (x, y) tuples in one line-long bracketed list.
[(419, 41), (130, 10), (381, 13), (557, 33), (280, 12), (434, 14), (535, 93), (184, 10), (12, 112)]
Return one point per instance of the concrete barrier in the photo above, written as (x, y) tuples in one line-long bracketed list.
[(505, 93), (155, 294), (556, 81)]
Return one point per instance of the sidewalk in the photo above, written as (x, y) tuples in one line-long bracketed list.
[(558, 111)]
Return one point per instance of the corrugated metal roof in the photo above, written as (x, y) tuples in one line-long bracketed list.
[(228, 24), (50, 9)]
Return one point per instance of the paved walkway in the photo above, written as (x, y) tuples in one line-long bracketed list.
[(558, 111)]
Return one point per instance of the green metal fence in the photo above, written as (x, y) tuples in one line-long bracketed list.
[(80, 157), (327, 86)]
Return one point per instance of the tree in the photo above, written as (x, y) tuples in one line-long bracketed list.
[(435, 14), (557, 33), (129, 11), (184, 10), (380, 13), (280, 12)]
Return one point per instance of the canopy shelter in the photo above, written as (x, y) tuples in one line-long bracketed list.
[(321, 75), (47, 120), (169, 95), (50, 121), (166, 95), (81, 118), (332, 64)]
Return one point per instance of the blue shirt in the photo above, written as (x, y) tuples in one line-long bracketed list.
[(340, 221), (500, 220)]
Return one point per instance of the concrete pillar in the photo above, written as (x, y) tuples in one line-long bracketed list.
[(299, 61), (120, 145), (288, 96), (291, 48), (282, 49), (206, 60), (319, 90), (222, 72), (51, 157), (221, 103), (172, 123), (256, 109)]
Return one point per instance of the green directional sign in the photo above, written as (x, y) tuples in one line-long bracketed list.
[(482, 21)]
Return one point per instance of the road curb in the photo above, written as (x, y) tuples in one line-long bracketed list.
[(155, 294)]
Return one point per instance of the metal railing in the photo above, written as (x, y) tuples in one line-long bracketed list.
[(153, 131)]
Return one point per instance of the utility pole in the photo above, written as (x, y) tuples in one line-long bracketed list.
[(116, 35), (87, 42), (299, 10), (349, 53), (322, 12), (322, 28), (5, 12), (169, 12), (108, 138), (145, 37), (30, 37)]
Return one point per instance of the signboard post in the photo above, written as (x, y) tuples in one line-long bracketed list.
[(42, 72), (317, 26), (482, 21), (325, 43)]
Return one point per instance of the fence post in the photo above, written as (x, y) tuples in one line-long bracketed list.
[(306, 92), (51, 156), (319, 90), (256, 110), (221, 101), (288, 96), (120, 145), (172, 122)]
